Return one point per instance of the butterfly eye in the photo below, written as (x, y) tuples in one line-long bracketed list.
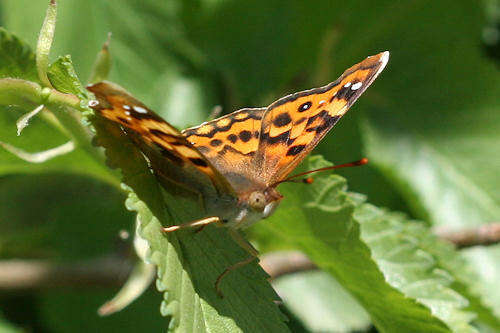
[(257, 201), (305, 106)]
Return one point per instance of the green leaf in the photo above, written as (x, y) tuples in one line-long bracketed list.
[(371, 254), (63, 77), (188, 264), (102, 64), (44, 43), (461, 270), (16, 58), (20, 93), (485, 261), (321, 303)]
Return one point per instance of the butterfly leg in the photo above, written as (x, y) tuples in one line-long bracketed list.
[(248, 247), (196, 223)]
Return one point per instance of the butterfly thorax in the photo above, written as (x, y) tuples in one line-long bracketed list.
[(251, 207)]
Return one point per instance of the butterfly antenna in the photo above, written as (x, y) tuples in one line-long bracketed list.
[(310, 180)]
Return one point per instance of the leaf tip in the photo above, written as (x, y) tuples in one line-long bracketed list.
[(105, 46)]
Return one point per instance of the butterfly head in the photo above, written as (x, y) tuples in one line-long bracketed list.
[(264, 202), (255, 206)]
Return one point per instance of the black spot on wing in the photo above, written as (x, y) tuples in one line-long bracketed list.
[(304, 107), (169, 154), (216, 129), (282, 138), (179, 143), (171, 139), (245, 136), (233, 138), (328, 122), (228, 148), (198, 161), (253, 115), (346, 93), (293, 97), (157, 132), (300, 121), (321, 114), (295, 150), (161, 134), (282, 119), (203, 149), (215, 142), (123, 120)]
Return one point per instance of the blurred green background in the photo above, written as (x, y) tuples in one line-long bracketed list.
[(430, 124)]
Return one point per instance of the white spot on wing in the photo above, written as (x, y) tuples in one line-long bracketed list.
[(385, 57), (347, 85), (140, 109), (383, 61), (127, 113), (126, 107), (322, 102), (356, 86)]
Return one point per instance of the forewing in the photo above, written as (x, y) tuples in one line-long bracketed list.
[(230, 143), (152, 134), (293, 125)]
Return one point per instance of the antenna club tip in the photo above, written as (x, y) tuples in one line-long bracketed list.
[(308, 180), (362, 161)]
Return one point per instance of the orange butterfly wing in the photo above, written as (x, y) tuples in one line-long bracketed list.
[(230, 143), (249, 148), (293, 125), (153, 135)]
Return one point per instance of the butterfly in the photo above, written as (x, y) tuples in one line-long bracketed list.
[(235, 162)]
